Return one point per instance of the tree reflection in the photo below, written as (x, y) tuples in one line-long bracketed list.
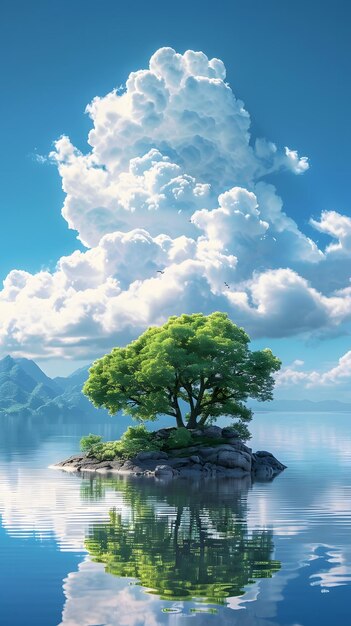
[(182, 541)]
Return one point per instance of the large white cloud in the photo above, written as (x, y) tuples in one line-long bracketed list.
[(339, 374), (173, 183), (338, 227), (170, 143)]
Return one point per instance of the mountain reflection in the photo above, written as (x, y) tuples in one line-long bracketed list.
[(181, 541)]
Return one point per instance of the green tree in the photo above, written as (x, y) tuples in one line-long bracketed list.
[(201, 362)]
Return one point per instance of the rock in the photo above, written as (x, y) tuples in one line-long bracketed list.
[(264, 458), (198, 432), (152, 455), (232, 459), (164, 433), (206, 452), (85, 463), (180, 451), (178, 462), (116, 464), (195, 459), (76, 458), (164, 471), (231, 472), (229, 433), (104, 464), (214, 432), (239, 445), (264, 472), (192, 471)]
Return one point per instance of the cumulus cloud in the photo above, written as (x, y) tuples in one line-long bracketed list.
[(338, 227), (337, 375), (171, 203), (169, 144)]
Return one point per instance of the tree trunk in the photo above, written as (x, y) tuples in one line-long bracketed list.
[(192, 423), (180, 423), (179, 418)]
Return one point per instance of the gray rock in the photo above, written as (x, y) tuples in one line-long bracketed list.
[(264, 458), (164, 433), (232, 459), (206, 452), (198, 432), (116, 464), (179, 451), (103, 464), (87, 463), (264, 472), (213, 431), (178, 462), (193, 471), (232, 472), (195, 459), (229, 433), (239, 445), (164, 471), (76, 458), (151, 455)]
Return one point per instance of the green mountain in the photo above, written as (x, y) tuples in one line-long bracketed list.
[(25, 390)]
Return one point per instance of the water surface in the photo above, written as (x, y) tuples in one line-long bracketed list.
[(92, 550)]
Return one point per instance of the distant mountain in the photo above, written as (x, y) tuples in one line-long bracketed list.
[(23, 386), (26, 391), (302, 406), (34, 371), (78, 377)]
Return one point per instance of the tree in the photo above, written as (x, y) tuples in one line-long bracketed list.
[(197, 361)]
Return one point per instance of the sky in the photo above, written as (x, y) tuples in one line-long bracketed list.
[(124, 154)]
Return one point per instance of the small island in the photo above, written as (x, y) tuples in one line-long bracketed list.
[(195, 369)]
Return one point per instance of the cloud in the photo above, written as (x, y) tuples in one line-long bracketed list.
[(338, 375), (338, 227), (169, 144), (173, 182)]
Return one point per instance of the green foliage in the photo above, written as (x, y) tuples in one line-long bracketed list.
[(241, 431), (203, 361), (135, 439), (89, 441), (105, 451), (180, 438), (138, 439)]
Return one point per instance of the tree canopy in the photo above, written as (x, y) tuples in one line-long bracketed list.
[(194, 368)]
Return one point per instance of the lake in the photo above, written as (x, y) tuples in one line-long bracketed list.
[(93, 551)]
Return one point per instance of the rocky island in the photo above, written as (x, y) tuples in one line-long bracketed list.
[(212, 452), (194, 369)]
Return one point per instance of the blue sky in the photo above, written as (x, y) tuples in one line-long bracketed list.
[(288, 62)]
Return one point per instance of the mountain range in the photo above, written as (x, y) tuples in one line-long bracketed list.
[(25, 390)]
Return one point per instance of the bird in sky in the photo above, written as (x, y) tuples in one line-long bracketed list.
[(226, 284), (160, 271)]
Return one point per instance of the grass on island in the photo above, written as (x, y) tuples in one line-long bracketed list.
[(137, 439)]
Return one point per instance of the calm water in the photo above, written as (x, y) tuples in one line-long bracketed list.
[(93, 551)]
